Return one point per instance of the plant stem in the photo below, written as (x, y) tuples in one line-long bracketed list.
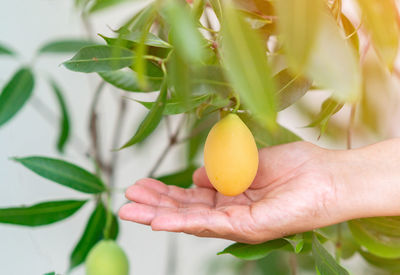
[(94, 128), (293, 263), (173, 140)]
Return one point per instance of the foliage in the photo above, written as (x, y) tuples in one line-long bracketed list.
[(264, 58)]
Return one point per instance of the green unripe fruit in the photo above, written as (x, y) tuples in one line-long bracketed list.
[(107, 258)]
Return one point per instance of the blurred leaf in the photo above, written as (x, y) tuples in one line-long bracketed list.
[(198, 9), (153, 118), (173, 106), (381, 236), (64, 117), (100, 58), (328, 108), (275, 264), (290, 88), (333, 63), (256, 251), (381, 20), (114, 230), (324, 262), (92, 234), (299, 23), (392, 265), (184, 35), (16, 93), (127, 80), (40, 214), (129, 40), (99, 5), (265, 137), (4, 50), (64, 46), (64, 173), (139, 20), (180, 77), (351, 32), (245, 58), (181, 178), (50, 273)]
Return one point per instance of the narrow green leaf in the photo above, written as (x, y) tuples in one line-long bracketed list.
[(180, 75), (290, 88), (153, 118), (127, 80), (392, 265), (50, 273), (64, 173), (328, 108), (244, 55), (4, 50), (381, 19), (198, 9), (138, 21), (131, 39), (64, 117), (114, 230), (298, 24), (92, 234), (184, 35), (381, 236), (100, 58), (100, 5), (181, 178), (40, 214), (264, 137), (15, 94), (333, 63), (256, 251), (324, 262), (64, 46), (174, 106)]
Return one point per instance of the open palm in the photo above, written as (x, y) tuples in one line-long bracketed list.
[(292, 192)]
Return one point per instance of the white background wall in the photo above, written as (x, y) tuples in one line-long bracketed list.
[(25, 25)]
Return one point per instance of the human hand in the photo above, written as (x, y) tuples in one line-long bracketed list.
[(298, 187)]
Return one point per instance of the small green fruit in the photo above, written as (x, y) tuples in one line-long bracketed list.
[(107, 258)]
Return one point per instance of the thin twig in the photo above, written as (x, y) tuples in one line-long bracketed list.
[(173, 140), (94, 128), (293, 264), (116, 138)]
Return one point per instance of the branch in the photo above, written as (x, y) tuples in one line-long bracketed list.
[(93, 128)]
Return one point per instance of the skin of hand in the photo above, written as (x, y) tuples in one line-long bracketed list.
[(298, 187)]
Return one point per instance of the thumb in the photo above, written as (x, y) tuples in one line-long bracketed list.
[(200, 178)]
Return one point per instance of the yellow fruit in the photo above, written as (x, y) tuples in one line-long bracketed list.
[(107, 258), (230, 156)]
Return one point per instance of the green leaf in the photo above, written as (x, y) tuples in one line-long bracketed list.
[(131, 39), (180, 78), (64, 117), (244, 55), (92, 234), (6, 50), (181, 178), (392, 265), (100, 5), (184, 35), (153, 118), (217, 7), (127, 80), (40, 214), (333, 63), (265, 137), (64, 173), (328, 109), (324, 262), (381, 20), (174, 106), (50, 273), (381, 236), (15, 94), (138, 21), (100, 58), (256, 251), (298, 24), (114, 230), (64, 46), (290, 88)]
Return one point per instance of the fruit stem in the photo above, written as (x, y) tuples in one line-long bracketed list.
[(107, 227)]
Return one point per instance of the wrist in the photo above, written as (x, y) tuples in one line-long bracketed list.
[(368, 180)]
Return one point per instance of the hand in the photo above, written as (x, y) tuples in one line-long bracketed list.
[(292, 192)]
